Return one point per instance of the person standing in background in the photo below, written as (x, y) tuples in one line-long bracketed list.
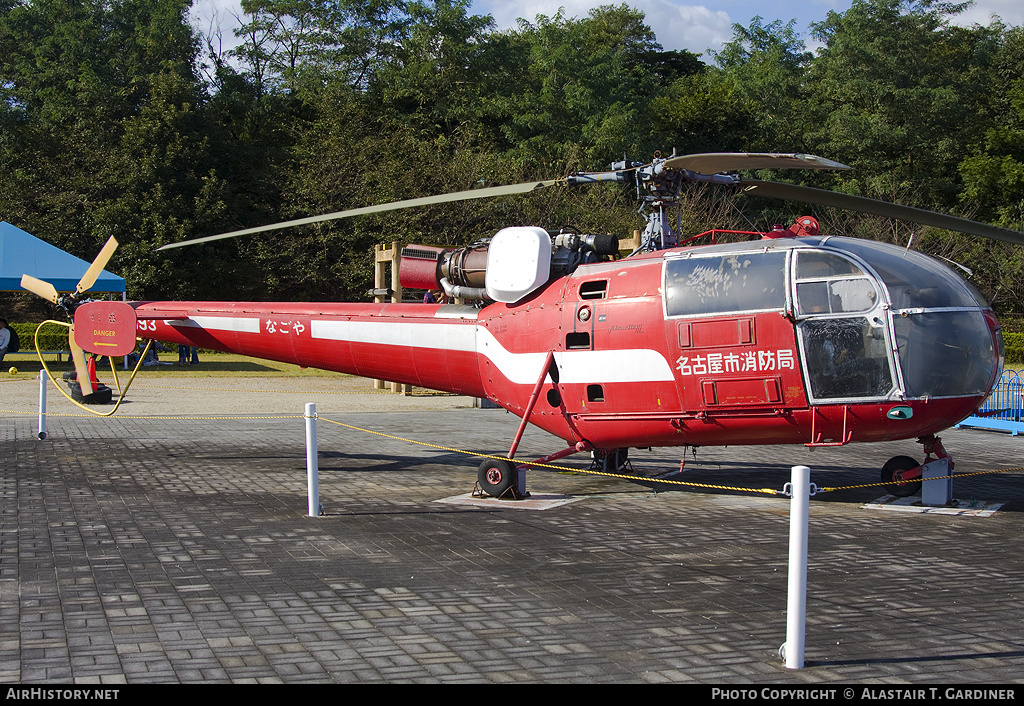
[(188, 355), (5, 339)]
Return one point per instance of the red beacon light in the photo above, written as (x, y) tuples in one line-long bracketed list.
[(804, 226)]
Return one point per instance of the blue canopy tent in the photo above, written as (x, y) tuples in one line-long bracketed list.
[(25, 254)]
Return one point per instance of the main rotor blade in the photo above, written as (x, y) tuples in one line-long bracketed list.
[(82, 370), (392, 206), (89, 278), (820, 197), (716, 162), (39, 287)]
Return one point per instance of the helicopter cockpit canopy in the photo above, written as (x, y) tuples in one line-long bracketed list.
[(937, 318), (854, 304)]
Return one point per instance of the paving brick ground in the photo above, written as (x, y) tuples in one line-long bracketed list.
[(178, 550)]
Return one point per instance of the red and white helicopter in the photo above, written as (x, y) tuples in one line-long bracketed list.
[(792, 338)]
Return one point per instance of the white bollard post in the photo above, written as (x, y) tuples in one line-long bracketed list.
[(42, 404), (796, 608), (312, 465)]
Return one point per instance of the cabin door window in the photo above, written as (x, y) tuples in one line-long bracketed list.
[(842, 328)]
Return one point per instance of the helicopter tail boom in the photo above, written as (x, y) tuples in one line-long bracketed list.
[(425, 345)]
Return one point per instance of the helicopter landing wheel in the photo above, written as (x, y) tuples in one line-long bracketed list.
[(893, 470), (610, 460), (496, 477)]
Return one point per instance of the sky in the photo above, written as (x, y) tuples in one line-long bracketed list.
[(699, 27), (678, 24)]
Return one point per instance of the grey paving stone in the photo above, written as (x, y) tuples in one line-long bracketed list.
[(179, 550)]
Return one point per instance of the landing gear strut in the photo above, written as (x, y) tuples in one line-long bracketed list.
[(610, 460), (903, 473)]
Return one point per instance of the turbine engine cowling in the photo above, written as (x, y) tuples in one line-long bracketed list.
[(419, 267), (506, 267)]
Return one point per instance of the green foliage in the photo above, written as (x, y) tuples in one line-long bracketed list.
[(297, 46), (1014, 343), (898, 91), (583, 87), (702, 112), (51, 337), (439, 79), (765, 66), (993, 174)]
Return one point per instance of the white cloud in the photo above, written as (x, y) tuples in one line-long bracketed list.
[(691, 27), (1011, 12), (677, 26)]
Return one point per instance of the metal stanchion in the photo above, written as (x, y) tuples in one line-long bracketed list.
[(312, 465), (796, 608), (42, 404)]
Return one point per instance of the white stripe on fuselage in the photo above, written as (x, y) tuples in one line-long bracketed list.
[(221, 323), (586, 366), (451, 337)]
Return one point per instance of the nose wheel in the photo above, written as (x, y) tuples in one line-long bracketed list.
[(897, 474)]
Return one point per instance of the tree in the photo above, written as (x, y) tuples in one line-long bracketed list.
[(105, 133), (765, 67), (994, 173), (897, 92), (300, 45), (750, 99), (704, 112), (586, 87), (441, 77)]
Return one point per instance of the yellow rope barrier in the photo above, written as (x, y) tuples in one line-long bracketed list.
[(769, 491), (146, 386), (826, 489), (161, 416)]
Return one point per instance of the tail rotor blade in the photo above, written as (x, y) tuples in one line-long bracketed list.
[(40, 288), (82, 370), (89, 278)]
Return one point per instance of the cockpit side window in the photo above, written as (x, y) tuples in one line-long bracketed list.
[(814, 264), (845, 350), (830, 284), (729, 283), (846, 357)]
